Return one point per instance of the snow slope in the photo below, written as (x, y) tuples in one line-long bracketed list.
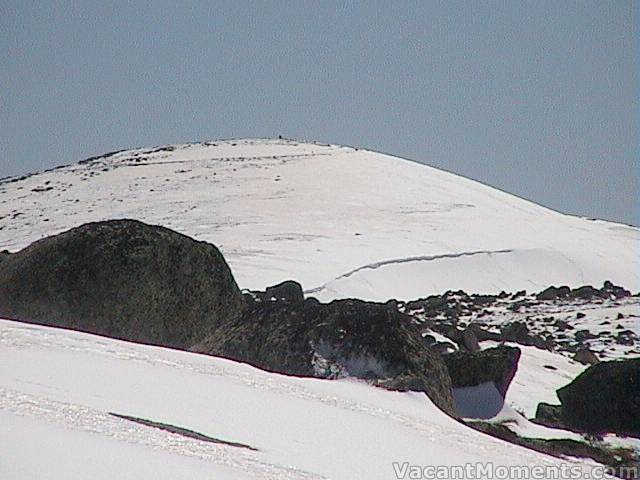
[(57, 388), (343, 221)]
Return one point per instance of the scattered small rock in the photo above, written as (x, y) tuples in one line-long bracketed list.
[(470, 340), (582, 335), (586, 357), (562, 325)]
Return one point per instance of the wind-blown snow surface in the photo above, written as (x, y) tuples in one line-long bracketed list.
[(345, 222), (57, 388)]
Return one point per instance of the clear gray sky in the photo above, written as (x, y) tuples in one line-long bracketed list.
[(536, 98)]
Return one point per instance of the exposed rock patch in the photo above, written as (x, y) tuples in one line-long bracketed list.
[(586, 357), (553, 293), (185, 432), (497, 365), (287, 291), (518, 332), (123, 279), (604, 398), (622, 463), (366, 340), (549, 415), (586, 292)]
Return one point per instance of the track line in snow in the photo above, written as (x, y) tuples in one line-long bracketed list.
[(418, 258)]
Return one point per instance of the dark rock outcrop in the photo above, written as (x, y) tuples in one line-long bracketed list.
[(518, 332), (549, 415), (287, 291), (122, 279), (470, 340), (586, 292), (353, 338), (497, 365), (562, 325), (604, 398), (444, 348), (553, 293), (621, 462), (627, 337), (483, 334), (584, 335), (184, 432), (467, 339), (615, 290), (586, 356), (429, 340)]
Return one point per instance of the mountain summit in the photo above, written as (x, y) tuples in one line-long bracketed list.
[(345, 222)]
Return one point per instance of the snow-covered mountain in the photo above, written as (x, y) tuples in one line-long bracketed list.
[(343, 221)]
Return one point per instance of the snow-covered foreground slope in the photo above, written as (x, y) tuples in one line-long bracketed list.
[(57, 388), (344, 222)]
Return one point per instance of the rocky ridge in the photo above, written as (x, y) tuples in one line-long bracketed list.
[(148, 284)]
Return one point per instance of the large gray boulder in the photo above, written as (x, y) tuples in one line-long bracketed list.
[(604, 398), (122, 279), (345, 338), (497, 365)]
